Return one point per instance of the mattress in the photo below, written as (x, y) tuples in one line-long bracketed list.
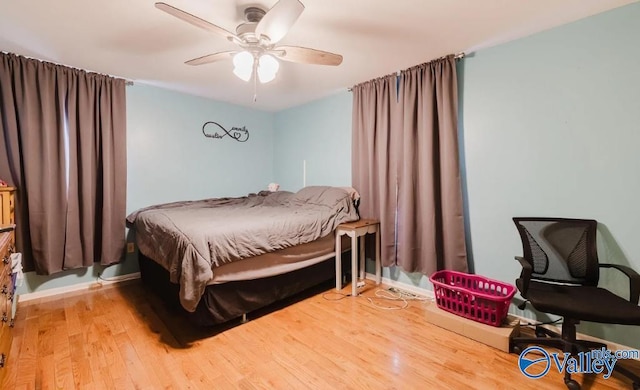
[(279, 262)]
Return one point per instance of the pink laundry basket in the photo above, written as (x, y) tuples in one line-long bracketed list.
[(472, 296)]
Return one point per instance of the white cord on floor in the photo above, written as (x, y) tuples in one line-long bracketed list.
[(390, 296), (409, 296), (100, 278)]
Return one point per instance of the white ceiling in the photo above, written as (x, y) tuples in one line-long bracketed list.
[(134, 40)]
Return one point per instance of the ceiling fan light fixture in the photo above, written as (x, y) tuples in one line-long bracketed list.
[(267, 68), (257, 37), (243, 65)]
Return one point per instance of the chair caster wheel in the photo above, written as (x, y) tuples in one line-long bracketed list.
[(571, 384), (540, 333), (518, 350)]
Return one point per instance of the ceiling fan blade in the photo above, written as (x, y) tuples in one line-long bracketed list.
[(196, 21), (305, 55), (279, 19), (209, 58)]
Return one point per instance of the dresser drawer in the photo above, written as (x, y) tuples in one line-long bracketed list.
[(5, 310), (6, 249), (7, 205), (6, 244), (6, 285), (5, 275)]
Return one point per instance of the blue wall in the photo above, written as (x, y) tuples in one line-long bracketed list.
[(318, 133), (550, 128), (169, 159)]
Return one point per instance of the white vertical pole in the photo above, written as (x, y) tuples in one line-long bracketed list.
[(354, 264), (338, 260), (304, 173)]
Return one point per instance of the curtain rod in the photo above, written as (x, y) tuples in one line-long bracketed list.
[(127, 82), (457, 57)]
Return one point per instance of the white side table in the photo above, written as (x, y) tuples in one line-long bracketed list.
[(357, 230)]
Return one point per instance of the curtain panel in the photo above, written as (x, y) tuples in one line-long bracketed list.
[(376, 115), (405, 164), (64, 138)]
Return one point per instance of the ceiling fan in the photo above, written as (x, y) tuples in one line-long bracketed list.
[(257, 37)]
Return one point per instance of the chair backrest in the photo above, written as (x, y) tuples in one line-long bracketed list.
[(560, 249)]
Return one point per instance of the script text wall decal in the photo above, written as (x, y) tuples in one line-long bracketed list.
[(240, 134)]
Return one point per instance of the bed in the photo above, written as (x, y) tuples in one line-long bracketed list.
[(218, 259)]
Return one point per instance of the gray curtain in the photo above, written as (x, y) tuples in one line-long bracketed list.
[(376, 113), (405, 165), (64, 138)]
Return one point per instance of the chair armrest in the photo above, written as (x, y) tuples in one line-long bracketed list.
[(525, 275), (634, 280)]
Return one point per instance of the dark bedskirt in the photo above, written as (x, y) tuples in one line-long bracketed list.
[(224, 302)]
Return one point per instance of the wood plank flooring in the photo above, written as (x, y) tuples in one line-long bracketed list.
[(123, 338)]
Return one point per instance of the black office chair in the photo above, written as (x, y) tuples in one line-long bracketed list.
[(560, 273)]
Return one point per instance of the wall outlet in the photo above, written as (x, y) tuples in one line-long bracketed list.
[(131, 247)]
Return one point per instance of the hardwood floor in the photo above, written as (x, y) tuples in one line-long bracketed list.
[(123, 338)]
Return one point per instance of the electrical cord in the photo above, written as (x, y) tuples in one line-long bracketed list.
[(532, 325), (389, 296), (100, 278), (339, 294), (409, 296)]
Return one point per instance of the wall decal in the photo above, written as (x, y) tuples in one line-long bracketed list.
[(240, 134)]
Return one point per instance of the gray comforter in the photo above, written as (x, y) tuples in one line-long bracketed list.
[(191, 239)]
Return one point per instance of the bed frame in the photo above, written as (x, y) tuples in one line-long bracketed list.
[(259, 281), (227, 301)]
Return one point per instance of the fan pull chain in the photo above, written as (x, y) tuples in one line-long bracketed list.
[(255, 89), (255, 80)]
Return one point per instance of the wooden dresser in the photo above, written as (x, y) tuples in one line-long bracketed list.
[(6, 295), (7, 247)]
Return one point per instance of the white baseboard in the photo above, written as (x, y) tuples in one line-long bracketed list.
[(406, 287), (77, 287), (429, 294)]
